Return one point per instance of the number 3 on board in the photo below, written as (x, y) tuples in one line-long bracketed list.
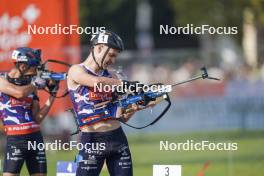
[(166, 170)]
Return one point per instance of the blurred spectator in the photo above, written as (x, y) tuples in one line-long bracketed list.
[(161, 74), (141, 72), (246, 72)]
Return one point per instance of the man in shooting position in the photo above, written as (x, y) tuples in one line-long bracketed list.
[(106, 139), (21, 114)]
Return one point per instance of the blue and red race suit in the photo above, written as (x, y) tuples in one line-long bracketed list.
[(84, 99), (116, 151), (16, 114), (21, 128)]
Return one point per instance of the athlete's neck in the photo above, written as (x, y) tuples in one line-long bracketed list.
[(89, 62)]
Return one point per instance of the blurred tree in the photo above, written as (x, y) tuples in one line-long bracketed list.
[(120, 16), (212, 12), (221, 13), (258, 7), (115, 15), (163, 14)]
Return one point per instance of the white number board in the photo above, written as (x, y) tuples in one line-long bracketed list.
[(166, 170)]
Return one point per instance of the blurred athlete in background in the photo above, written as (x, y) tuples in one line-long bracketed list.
[(21, 114)]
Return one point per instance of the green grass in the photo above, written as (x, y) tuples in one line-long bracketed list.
[(248, 160)]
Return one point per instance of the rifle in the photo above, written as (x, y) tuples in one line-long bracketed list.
[(48, 75), (141, 98)]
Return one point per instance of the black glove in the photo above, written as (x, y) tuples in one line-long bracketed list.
[(53, 87)]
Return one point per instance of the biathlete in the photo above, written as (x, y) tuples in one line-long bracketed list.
[(103, 137), (21, 114)]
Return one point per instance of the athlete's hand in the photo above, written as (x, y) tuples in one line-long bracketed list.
[(39, 82), (53, 86), (131, 109), (129, 112)]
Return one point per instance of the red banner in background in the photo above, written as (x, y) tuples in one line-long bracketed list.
[(15, 19)]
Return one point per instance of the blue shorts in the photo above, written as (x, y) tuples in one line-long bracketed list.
[(17, 152), (110, 147)]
